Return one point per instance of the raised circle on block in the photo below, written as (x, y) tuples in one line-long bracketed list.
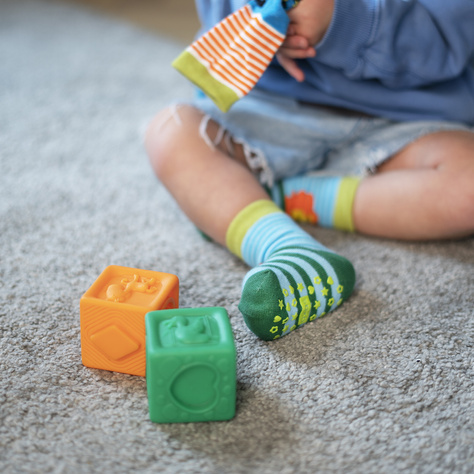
[(196, 388)]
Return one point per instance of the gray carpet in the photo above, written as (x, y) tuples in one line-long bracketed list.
[(384, 385)]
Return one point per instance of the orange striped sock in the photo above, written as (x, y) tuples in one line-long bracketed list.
[(228, 60)]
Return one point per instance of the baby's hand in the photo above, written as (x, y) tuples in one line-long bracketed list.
[(294, 47), (309, 21)]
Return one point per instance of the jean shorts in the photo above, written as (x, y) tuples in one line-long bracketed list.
[(283, 137)]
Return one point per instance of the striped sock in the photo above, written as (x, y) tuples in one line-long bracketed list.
[(323, 200), (228, 60), (295, 279)]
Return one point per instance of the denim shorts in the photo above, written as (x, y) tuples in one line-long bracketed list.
[(283, 137)]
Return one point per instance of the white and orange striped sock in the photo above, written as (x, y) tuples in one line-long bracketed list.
[(228, 60)]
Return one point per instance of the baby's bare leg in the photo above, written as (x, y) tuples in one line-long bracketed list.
[(426, 191), (209, 186)]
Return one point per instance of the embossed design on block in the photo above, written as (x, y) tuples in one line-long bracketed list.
[(204, 380), (120, 292), (114, 342), (182, 330)]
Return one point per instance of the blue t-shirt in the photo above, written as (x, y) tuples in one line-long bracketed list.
[(399, 59)]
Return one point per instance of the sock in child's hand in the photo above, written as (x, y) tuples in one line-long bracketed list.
[(228, 60), (295, 279)]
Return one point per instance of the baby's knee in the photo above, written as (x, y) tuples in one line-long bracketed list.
[(464, 196), (165, 135), (459, 193)]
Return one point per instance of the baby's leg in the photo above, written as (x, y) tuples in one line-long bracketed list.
[(426, 191), (295, 279), (210, 187)]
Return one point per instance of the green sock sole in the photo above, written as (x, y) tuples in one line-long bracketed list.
[(294, 287)]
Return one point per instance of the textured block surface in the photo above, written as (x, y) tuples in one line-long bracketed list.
[(113, 316), (191, 365)]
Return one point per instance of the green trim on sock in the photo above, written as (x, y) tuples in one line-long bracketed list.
[(343, 209), (197, 73), (244, 220)]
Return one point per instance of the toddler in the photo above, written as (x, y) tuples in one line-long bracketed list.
[(363, 122)]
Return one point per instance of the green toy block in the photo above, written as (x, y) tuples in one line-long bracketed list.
[(190, 365)]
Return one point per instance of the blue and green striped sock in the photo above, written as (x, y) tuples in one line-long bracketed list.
[(323, 200), (295, 279)]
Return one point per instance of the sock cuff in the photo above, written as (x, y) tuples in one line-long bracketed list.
[(194, 70), (244, 220), (343, 219)]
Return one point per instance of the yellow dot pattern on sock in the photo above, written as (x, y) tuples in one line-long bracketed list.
[(305, 303), (281, 325)]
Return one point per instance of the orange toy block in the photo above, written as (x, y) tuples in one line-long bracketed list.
[(113, 316)]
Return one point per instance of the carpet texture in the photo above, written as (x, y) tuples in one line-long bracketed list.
[(383, 385)]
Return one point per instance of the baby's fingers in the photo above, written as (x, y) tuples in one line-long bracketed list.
[(296, 47), (290, 66), (295, 53), (295, 41)]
